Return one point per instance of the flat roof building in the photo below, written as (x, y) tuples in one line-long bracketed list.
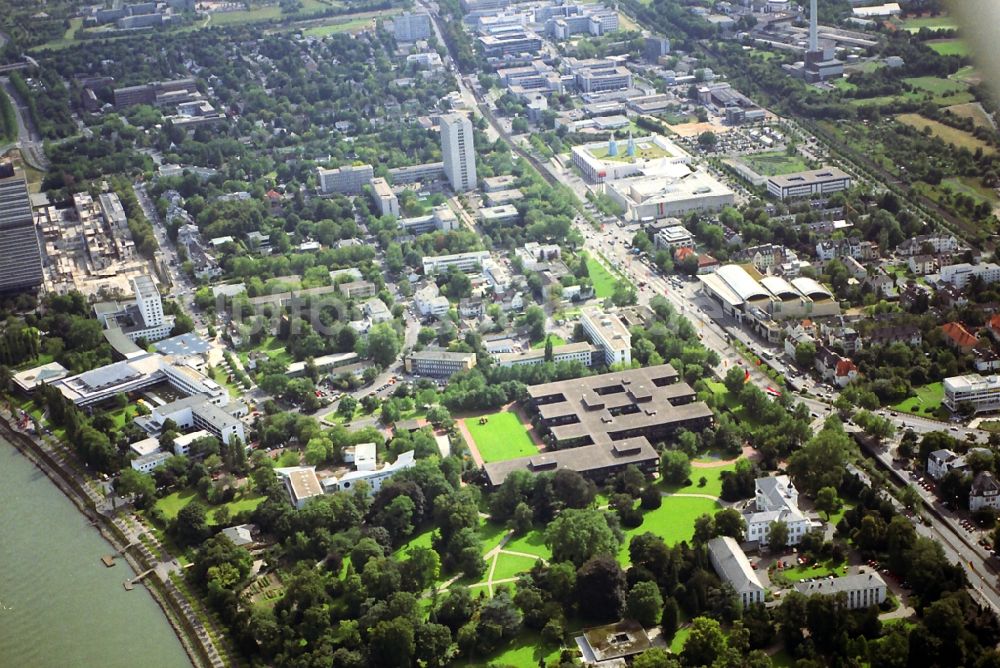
[(438, 363), (805, 184), (607, 332), (20, 251), (980, 392), (411, 27), (581, 352), (467, 262), (385, 199), (346, 180), (648, 402), (301, 483), (597, 462)]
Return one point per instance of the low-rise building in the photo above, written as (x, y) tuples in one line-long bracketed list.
[(369, 472), (861, 590), (805, 184), (835, 368), (467, 262), (582, 352), (985, 492), (733, 567), (597, 462), (438, 363), (357, 289), (147, 463), (607, 332), (301, 483), (940, 462), (345, 180), (960, 274), (775, 500)]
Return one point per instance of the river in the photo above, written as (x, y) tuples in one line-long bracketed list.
[(59, 605)]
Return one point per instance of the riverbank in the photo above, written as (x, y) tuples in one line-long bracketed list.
[(176, 610)]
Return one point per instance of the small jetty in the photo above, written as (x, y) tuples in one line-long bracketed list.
[(130, 584), (109, 560)]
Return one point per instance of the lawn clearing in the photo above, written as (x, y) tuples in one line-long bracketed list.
[(422, 539), (173, 503), (247, 503), (946, 133), (971, 186), (677, 643), (604, 281), (775, 163), (927, 400), (527, 650), (673, 521), (502, 437), (819, 569), (973, 111), (511, 565), (914, 24), (950, 47), (943, 91), (713, 480), (351, 25), (556, 341), (532, 542), (491, 534)]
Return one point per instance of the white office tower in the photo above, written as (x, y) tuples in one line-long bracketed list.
[(458, 152), (147, 297)]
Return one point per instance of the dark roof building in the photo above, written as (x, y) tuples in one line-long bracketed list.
[(597, 462), (20, 253), (648, 402)]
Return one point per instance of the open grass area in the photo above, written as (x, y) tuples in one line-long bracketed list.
[(927, 400), (973, 111), (511, 565), (971, 186), (819, 569), (673, 521), (524, 651), (943, 91), (775, 163), (713, 478), (680, 637), (173, 503), (556, 341), (604, 281), (491, 533), (950, 47), (532, 542), (422, 539), (347, 24), (915, 23), (953, 136), (502, 437), (256, 15)]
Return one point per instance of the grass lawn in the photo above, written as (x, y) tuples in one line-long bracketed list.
[(503, 437), (950, 47), (510, 565), (240, 505), (604, 281), (351, 25), (914, 24), (971, 186), (946, 133), (839, 515), (673, 521), (532, 542), (944, 91), (172, 504), (524, 651), (677, 643), (556, 341), (266, 13), (713, 484), (973, 111), (927, 401), (774, 163), (422, 539), (816, 570), (220, 376), (491, 534)]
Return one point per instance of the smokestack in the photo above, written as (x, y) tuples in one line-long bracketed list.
[(813, 19)]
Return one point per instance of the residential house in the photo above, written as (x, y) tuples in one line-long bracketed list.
[(835, 368), (950, 296), (993, 326), (940, 462), (985, 359), (855, 268), (921, 265), (886, 336), (796, 337), (882, 284), (985, 492), (937, 244), (959, 337), (763, 256)]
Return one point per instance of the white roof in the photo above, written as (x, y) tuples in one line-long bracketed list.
[(741, 283), (809, 287), (779, 287), (146, 446), (732, 564)]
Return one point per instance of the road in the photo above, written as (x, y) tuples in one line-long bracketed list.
[(28, 139)]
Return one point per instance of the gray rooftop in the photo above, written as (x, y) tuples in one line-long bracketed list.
[(583, 459), (184, 344), (732, 564), (846, 583)]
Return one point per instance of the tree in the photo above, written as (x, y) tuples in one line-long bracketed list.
[(805, 354), (383, 344), (523, 519), (827, 501), (577, 535), (735, 379), (820, 462), (675, 466), (393, 643), (572, 489), (534, 320), (777, 537), (347, 406), (434, 646), (655, 657), (707, 139), (730, 522), (645, 603), (548, 349), (140, 485), (600, 588), (705, 644), (670, 618), (191, 525)]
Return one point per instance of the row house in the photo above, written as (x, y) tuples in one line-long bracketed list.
[(959, 337), (835, 368), (830, 249), (924, 243), (886, 336)]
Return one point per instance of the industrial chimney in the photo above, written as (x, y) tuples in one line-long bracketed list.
[(813, 20)]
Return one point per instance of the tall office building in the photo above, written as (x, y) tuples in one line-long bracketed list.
[(458, 152), (20, 253), (147, 298), (411, 27)]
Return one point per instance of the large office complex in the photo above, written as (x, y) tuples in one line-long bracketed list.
[(582, 352), (650, 402), (438, 363), (609, 334), (980, 392), (458, 151), (140, 319), (467, 262), (805, 184), (20, 253), (597, 462), (411, 27), (345, 180)]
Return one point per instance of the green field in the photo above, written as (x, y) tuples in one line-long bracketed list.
[(937, 85), (532, 542), (927, 401), (527, 650), (914, 24), (604, 281), (774, 163), (713, 485), (950, 47), (511, 565), (173, 503), (946, 133), (347, 25), (503, 437), (673, 521), (556, 341), (971, 186), (814, 570)]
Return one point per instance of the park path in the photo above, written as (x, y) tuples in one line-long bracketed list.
[(469, 442)]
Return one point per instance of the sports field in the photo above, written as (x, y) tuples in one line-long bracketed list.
[(775, 163), (501, 437), (644, 150)]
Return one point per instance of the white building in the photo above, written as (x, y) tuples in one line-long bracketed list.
[(146, 446), (733, 567), (385, 199), (960, 274), (458, 151), (776, 500), (429, 301), (147, 463), (609, 333), (301, 483), (467, 262), (198, 412), (182, 444), (985, 492), (369, 472), (141, 319), (805, 184), (346, 180), (411, 27), (983, 392), (940, 462), (861, 590), (581, 352)]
